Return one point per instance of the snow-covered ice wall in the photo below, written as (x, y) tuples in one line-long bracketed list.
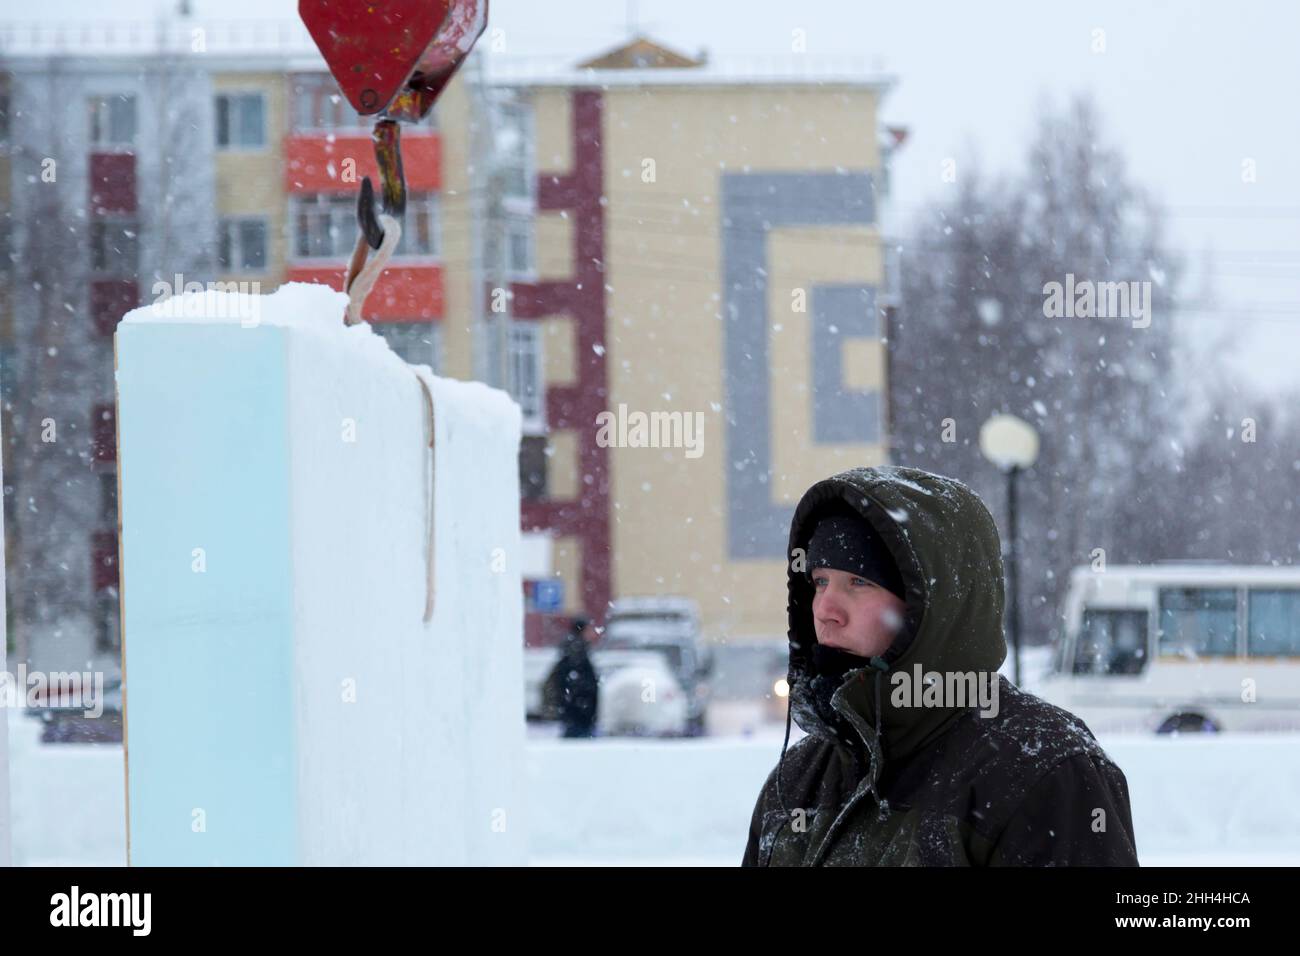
[(286, 703)]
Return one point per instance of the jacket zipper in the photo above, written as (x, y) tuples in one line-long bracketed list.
[(862, 789)]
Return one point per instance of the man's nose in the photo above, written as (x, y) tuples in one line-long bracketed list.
[(828, 607)]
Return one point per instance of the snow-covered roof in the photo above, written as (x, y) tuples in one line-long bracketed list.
[(786, 70), (173, 35), (285, 43), (1190, 572)]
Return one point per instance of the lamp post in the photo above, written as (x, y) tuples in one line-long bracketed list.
[(1011, 444)]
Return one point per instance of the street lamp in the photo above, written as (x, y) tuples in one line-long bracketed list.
[(1011, 444)]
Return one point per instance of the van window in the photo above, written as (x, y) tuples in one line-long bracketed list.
[(1198, 621), (1274, 624), (1111, 642)]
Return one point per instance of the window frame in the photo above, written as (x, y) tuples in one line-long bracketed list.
[(94, 237), (342, 209), (312, 87), (1270, 590), (526, 225), (520, 115), (108, 622), (1165, 651), (108, 507), (524, 347), (238, 264), (1138, 612), (239, 95), (100, 117), (315, 204), (6, 121), (398, 333), (428, 204)]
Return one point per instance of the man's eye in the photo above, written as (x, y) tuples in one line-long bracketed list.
[(862, 581)]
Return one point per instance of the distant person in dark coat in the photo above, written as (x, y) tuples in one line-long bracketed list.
[(576, 685)]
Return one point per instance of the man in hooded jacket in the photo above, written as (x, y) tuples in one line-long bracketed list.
[(883, 780)]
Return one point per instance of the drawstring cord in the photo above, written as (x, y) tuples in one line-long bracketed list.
[(785, 743)]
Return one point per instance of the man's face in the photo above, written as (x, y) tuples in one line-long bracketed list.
[(854, 614)]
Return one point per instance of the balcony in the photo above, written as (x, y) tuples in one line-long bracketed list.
[(319, 162)]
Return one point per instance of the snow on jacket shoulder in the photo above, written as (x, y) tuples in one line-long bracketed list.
[(1076, 815)]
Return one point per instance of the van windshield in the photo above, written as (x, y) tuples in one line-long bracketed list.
[(1111, 642)]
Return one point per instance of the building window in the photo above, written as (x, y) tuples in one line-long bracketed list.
[(1198, 622), (524, 367), (514, 151), (104, 559), (108, 498), (241, 121), (108, 623), (416, 342), (519, 247), (319, 105), (514, 147), (422, 230), (325, 226), (110, 299), (322, 225), (103, 432), (241, 245), (115, 246), (112, 120), (1274, 623), (532, 466)]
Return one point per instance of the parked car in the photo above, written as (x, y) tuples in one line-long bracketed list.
[(670, 627), (70, 722), (639, 695)]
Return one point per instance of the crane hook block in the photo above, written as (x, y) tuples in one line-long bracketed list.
[(394, 56)]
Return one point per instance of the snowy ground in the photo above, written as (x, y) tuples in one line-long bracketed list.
[(1215, 801)]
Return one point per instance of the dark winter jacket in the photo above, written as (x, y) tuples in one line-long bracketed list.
[(576, 684), (879, 781)]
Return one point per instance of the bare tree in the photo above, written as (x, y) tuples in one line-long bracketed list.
[(973, 338), (47, 454)]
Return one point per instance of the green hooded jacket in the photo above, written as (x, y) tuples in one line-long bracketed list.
[(893, 773)]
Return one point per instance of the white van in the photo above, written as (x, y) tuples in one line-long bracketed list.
[(1180, 647)]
